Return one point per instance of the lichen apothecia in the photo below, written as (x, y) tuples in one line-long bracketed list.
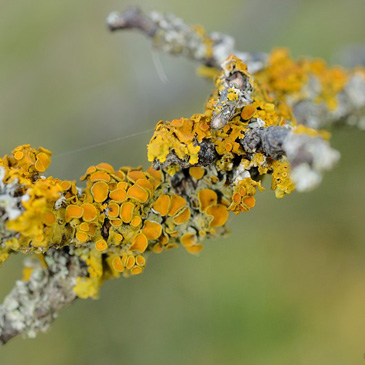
[(202, 169)]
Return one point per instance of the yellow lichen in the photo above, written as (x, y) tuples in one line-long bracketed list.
[(87, 287), (196, 172), (243, 195), (182, 217), (207, 197), (138, 193), (126, 212), (119, 195), (281, 182), (152, 230), (177, 204), (162, 204), (140, 243), (122, 214), (100, 191), (219, 213)]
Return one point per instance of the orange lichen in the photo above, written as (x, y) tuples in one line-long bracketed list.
[(18, 155), (100, 175), (118, 238), (101, 245), (196, 172), (140, 260), (284, 76), (95, 265), (146, 185), (138, 193), (25, 163), (89, 171), (117, 264), (106, 167), (81, 236), (182, 217), (136, 270), (113, 210), (49, 218), (249, 202), (188, 239), (152, 230), (89, 212), (42, 162), (195, 249), (248, 112), (36, 226), (207, 197), (122, 214), (258, 160), (177, 135), (155, 174), (129, 261), (118, 175), (243, 192), (100, 191), (124, 185), (116, 222), (136, 221), (140, 243), (219, 213), (84, 226), (162, 204), (119, 195), (135, 175), (126, 212), (65, 185), (73, 211), (177, 204)]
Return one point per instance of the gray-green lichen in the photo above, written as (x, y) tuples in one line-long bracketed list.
[(34, 303), (10, 205)]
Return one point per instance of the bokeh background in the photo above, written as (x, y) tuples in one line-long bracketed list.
[(286, 287)]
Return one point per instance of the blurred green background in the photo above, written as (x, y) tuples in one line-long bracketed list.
[(286, 287)]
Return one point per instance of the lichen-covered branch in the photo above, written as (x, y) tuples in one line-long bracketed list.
[(318, 95), (203, 168)]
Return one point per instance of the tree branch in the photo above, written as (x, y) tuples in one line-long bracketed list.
[(34, 302), (171, 35), (255, 124)]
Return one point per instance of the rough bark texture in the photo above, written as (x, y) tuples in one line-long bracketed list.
[(34, 303)]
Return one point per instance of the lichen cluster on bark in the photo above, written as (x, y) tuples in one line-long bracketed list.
[(261, 119)]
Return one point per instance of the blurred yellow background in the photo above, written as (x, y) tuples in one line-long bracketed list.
[(286, 287)]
